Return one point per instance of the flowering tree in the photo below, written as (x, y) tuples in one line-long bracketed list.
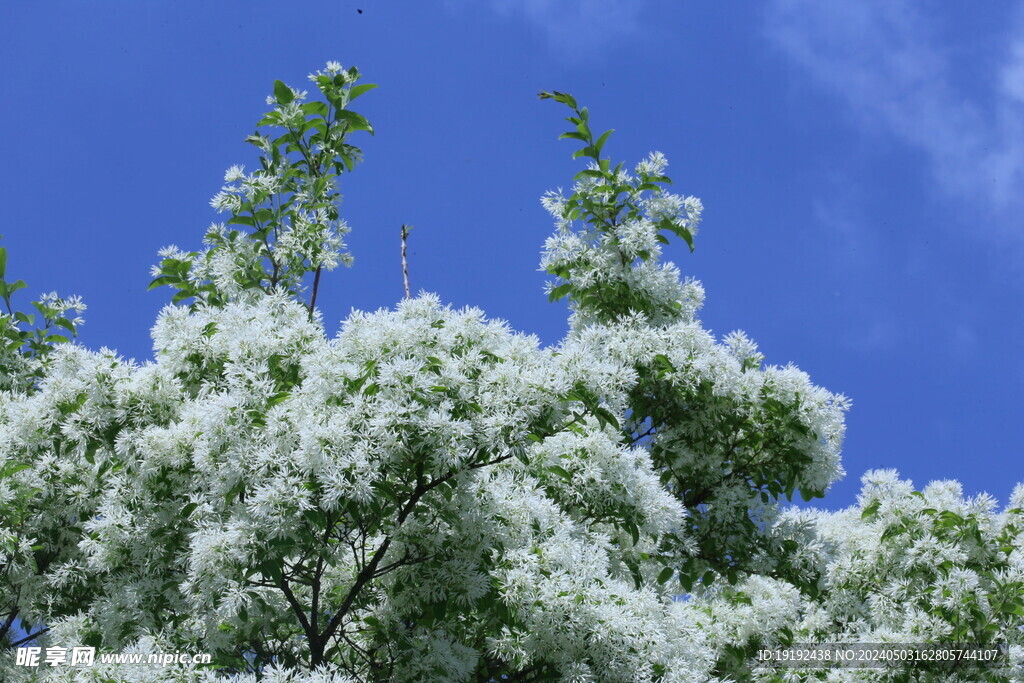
[(429, 495), (903, 566)]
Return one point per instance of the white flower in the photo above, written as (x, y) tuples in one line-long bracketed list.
[(234, 174)]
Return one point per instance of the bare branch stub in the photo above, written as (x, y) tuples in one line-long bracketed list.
[(405, 265)]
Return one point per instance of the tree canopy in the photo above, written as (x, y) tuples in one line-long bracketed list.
[(428, 495)]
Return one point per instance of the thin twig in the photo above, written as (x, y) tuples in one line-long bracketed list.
[(7, 624), (405, 266), (316, 286), (30, 638)]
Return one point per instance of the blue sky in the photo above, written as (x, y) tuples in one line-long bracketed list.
[(861, 164)]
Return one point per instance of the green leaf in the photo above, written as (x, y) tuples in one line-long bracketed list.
[(601, 140), (634, 532), (664, 363), (13, 468), (588, 151), (589, 173), (358, 90), (560, 471), (188, 510), (560, 291), (278, 398), (3, 262), (687, 238), (314, 109), (665, 575), (283, 93), (354, 120), (386, 490), (242, 220), (564, 98), (66, 324), (605, 416)]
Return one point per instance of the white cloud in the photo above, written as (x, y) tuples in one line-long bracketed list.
[(894, 70), (573, 28)]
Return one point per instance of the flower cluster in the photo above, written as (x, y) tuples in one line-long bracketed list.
[(422, 476)]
